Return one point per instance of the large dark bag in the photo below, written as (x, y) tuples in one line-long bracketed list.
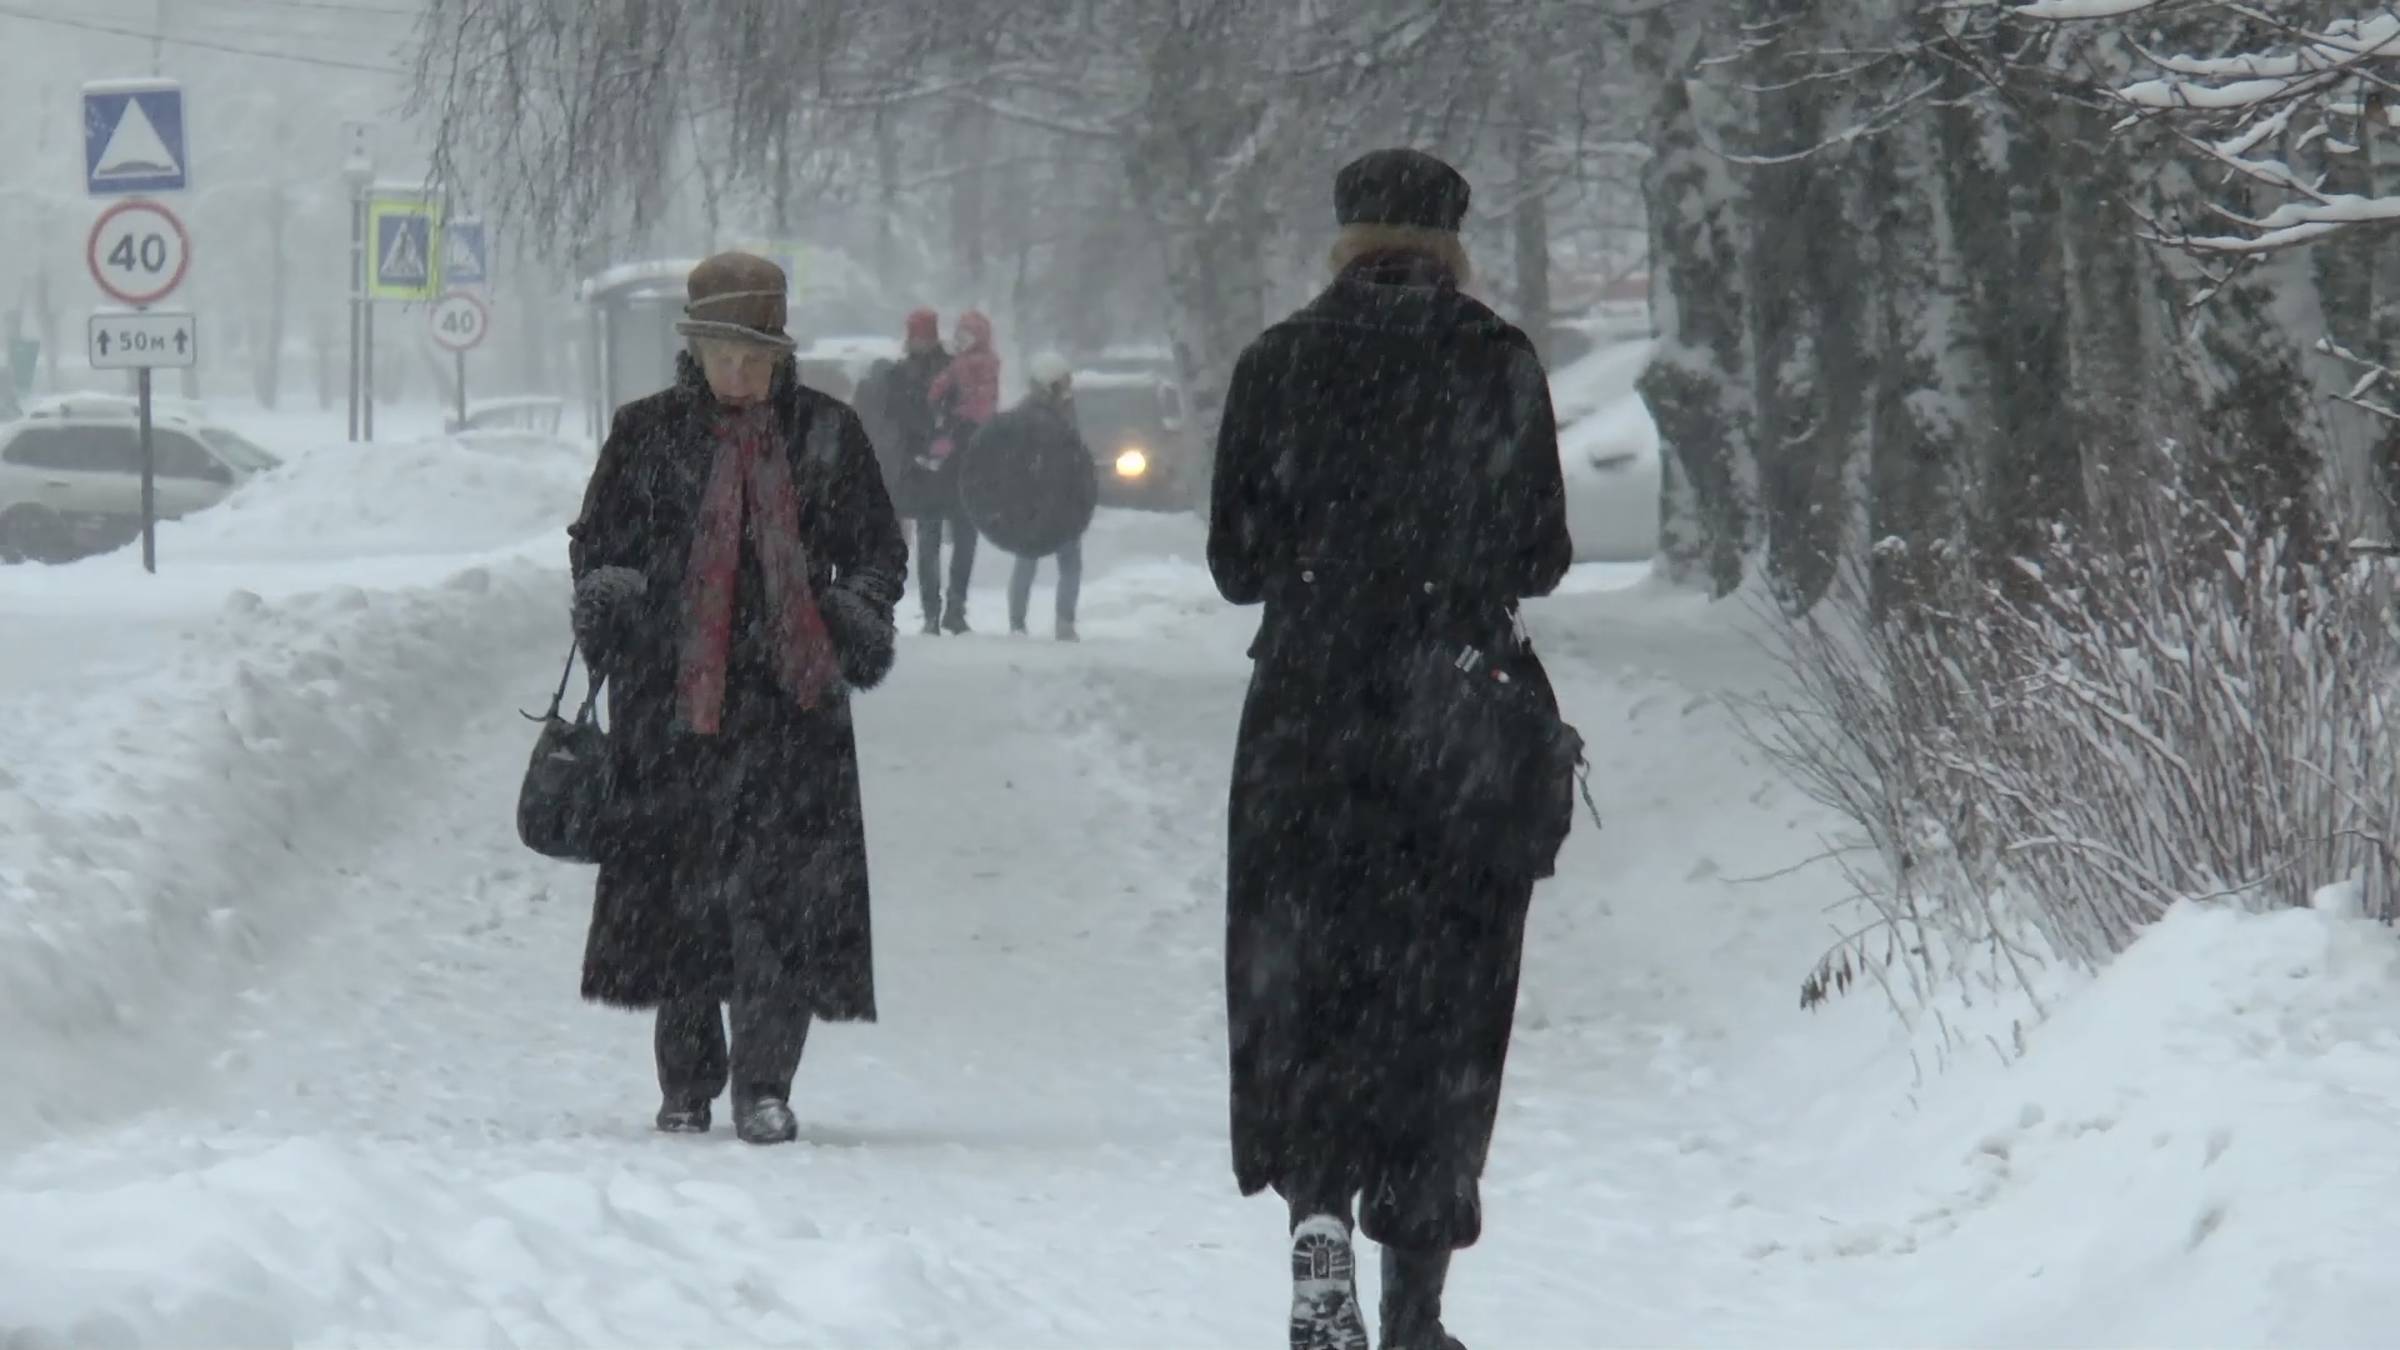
[(566, 788), (1482, 756), (1027, 482)]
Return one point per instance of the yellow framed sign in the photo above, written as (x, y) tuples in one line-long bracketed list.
[(403, 253)]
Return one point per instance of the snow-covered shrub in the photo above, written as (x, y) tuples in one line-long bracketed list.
[(2188, 698)]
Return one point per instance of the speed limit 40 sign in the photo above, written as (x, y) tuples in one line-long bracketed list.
[(138, 252), (460, 321)]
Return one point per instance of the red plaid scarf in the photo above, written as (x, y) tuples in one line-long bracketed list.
[(749, 484)]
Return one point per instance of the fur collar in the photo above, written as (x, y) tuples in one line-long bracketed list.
[(1362, 298)]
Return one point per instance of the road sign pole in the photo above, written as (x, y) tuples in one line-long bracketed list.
[(460, 321), (366, 370), (358, 172), (358, 293), (149, 480)]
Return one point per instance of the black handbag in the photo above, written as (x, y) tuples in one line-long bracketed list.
[(566, 787), (1485, 759)]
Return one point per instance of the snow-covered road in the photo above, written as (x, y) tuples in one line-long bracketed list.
[(356, 1102)]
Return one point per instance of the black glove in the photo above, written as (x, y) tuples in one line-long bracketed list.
[(859, 619), (602, 600)]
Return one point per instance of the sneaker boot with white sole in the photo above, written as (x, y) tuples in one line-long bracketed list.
[(1325, 1313)]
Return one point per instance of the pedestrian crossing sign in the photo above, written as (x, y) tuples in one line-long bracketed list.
[(466, 254), (402, 262), (133, 138)]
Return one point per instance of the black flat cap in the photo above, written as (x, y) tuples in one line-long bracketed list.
[(1400, 187)]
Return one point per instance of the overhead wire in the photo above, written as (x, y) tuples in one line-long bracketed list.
[(333, 7), (204, 44)]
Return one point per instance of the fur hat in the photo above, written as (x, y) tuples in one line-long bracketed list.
[(738, 297), (924, 327), (1407, 188)]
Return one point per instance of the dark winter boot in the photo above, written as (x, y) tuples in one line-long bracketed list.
[(933, 626), (683, 1118), (955, 621), (1325, 1313), (766, 1120), (1066, 631), (1412, 1301)]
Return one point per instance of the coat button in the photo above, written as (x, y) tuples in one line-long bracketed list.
[(1429, 588), (1309, 575)]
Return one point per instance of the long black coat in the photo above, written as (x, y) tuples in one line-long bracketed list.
[(1387, 470), (1027, 480), (766, 815), (904, 425)]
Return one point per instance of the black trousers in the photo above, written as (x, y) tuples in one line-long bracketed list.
[(770, 1028), (929, 562), (1428, 1210), (694, 1065)]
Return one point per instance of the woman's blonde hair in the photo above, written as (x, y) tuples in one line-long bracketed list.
[(1364, 241)]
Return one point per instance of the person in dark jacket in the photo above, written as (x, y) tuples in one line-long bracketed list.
[(963, 397), (1029, 486), (897, 403), (1387, 476), (736, 563), (874, 408)]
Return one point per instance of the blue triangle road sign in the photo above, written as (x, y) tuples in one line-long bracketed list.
[(466, 254), (133, 138), (404, 250)]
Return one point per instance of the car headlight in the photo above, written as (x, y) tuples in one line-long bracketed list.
[(1132, 462)]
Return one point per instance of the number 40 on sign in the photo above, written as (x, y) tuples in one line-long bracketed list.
[(138, 252), (460, 321)]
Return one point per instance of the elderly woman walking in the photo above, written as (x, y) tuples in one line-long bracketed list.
[(736, 566)]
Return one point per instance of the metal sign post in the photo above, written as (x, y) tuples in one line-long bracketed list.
[(403, 262), (138, 252), (358, 171), (136, 141), (149, 479), (459, 323)]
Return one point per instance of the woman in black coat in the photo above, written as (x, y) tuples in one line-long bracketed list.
[(1387, 475), (736, 563)]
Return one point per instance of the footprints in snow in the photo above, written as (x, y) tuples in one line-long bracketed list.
[(2009, 1164)]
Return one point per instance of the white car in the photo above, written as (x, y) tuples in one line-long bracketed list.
[(71, 475)]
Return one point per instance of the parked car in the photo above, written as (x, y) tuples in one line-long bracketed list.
[(71, 475)]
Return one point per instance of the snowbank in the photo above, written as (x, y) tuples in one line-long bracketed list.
[(441, 495), (151, 825), (2195, 1148), (183, 750), (1608, 451)]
